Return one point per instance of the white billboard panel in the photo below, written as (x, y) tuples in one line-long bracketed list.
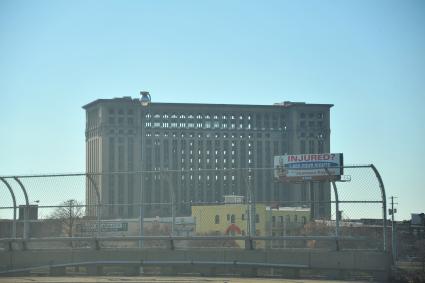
[(308, 166)]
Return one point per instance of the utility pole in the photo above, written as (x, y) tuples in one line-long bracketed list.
[(393, 211)]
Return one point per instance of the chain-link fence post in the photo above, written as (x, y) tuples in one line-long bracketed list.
[(14, 206), (253, 204), (249, 244), (253, 217), (270, 228), (26, 210), (384, 204), (337, 212), (337, 217), (99, 202), (173, 206), (141, 210)]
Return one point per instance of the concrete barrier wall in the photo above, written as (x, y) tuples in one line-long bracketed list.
[(342, 260)]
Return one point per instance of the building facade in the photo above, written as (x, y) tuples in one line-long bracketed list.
[(241, 219), (197, 153)]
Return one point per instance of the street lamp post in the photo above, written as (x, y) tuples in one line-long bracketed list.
[(144, 100)]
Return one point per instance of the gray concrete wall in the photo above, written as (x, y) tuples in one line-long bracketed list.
[(343, 260)]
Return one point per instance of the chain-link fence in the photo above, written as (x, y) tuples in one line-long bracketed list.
[(238, 208)]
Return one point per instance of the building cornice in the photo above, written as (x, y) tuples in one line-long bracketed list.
[(287, 104)]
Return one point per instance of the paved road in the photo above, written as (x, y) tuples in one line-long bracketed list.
[(154, 279)]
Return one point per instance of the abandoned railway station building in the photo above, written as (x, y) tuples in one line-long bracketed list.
[(198, 153)]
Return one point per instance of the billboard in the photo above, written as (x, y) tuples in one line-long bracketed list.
[(308, 167)]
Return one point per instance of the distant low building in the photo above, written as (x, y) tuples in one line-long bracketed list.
[(417, 225), (237, 218)]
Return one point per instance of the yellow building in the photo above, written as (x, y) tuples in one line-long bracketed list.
[(233, 218)]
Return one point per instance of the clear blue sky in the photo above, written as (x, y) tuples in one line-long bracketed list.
[(366, 57)]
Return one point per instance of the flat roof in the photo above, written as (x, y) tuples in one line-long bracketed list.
[(286, 104)]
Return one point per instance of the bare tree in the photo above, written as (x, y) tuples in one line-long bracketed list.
[(69, 212)]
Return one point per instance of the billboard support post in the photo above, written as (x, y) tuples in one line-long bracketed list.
[(312, 205), (337, 212)]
